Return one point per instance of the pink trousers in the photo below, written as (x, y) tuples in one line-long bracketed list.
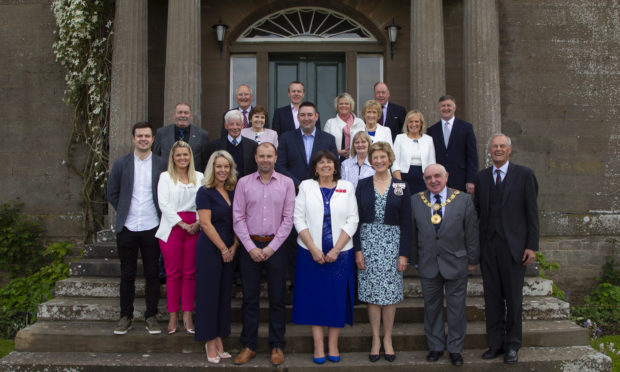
[(180, 263)]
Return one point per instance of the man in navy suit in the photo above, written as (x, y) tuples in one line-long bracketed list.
[(182, 129), (392, 115), (285, 117), (240, 148), (455, 146), (505, 200), (243, 96), (132, 191), (295, 149)]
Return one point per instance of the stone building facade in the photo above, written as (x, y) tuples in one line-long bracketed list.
[(544, 72)]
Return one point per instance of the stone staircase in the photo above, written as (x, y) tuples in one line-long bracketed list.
[(74, 331)]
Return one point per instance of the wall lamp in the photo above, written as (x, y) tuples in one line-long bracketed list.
[(220, 33), (392, 31)]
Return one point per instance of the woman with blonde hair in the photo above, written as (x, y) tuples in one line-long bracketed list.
[(177, 233), (414, 151), (343, 124), (371, 111), (357, 166), (216, 249)]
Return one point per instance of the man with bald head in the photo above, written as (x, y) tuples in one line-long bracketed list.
[(444, 248), (392, 115), (243, 96)]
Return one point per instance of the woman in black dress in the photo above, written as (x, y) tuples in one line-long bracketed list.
[(216, 249)]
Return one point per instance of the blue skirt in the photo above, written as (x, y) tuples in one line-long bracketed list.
[(415, 179), (324, 294)]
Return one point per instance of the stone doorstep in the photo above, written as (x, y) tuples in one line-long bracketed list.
[(110, 266), (80, 336), (410, 310), (575, 358), (109, 287)]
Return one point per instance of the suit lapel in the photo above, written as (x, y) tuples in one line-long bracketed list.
[(300, 145), (508, 183), (454, 132)]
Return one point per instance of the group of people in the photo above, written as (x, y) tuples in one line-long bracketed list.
[(340, 211)]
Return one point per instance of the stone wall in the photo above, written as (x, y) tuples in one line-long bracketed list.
[(560, 75), (34, 123)]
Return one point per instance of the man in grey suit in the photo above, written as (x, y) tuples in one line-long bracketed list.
[(444, 247), (132, 191), (183, 130)]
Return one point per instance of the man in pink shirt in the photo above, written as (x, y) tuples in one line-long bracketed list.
[(263, 209)]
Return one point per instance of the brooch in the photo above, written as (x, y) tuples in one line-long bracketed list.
[(399, 187)]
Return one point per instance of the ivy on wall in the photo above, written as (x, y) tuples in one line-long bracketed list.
[(83, 48)]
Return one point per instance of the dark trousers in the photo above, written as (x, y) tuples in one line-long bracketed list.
[(251, 272), (290, 247), (503, 295), (127, 244), (214, 280)]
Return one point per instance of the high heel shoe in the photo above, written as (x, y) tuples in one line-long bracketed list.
[(188, 329), (224, 355), (333, 358), (214, 360), (173, 330)]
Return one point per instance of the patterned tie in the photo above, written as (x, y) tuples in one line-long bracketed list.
[(181, 135), (245, 119), (498, 179), (438, 201), (234, 142)]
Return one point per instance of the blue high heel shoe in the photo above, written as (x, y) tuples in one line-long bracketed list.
[(320, 360), (334, 359)]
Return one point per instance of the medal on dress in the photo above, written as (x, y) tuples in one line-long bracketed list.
[(398, 188)]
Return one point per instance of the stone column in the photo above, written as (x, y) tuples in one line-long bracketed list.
[(183, 81), (129, 90), (481, 68), (428, 68)]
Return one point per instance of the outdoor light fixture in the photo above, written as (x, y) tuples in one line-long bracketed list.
[(392, 34), (220, 33)]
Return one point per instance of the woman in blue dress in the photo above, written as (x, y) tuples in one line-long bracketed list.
[(325, 218), (382, 245), (215, 251)]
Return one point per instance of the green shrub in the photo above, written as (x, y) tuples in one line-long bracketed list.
[(545, 266), (20, 298), (21, 242), (602, 306)]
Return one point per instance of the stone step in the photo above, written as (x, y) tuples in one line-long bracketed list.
[(410, 310), (80, 336), (110, 266), (572, 358), (109, 287)]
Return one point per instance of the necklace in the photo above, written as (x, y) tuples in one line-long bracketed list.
[(435, 219), (328, 196)]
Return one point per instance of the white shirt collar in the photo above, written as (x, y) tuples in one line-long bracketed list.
[(230, 138), (503, 168), (451, 121)]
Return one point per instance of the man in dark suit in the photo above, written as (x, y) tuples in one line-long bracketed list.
[(505, 200), (243, 96), (240, 148), (455, 146), (183, 130), (132, 191), (392, 115), (285, 117), (296, 147), (444, 247)]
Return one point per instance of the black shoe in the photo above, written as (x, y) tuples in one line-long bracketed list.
[(373, 357), (512, 356), (456, 359), (390, 357), (492, 353), (434, 356)]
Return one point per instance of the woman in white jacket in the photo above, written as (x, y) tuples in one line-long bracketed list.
[(343, 124), (371, 111), (178, 232), (325, 218), (414, 151)]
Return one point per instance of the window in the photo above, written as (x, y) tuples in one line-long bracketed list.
[(369, 71), (306, 24), (242, 71)]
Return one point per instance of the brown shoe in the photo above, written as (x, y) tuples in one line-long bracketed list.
[(277, 356), (245, 355)]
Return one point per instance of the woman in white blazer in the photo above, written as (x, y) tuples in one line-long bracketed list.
[(414, 151), (371, 111), (343, 124), (178, 232), (326, 218)]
